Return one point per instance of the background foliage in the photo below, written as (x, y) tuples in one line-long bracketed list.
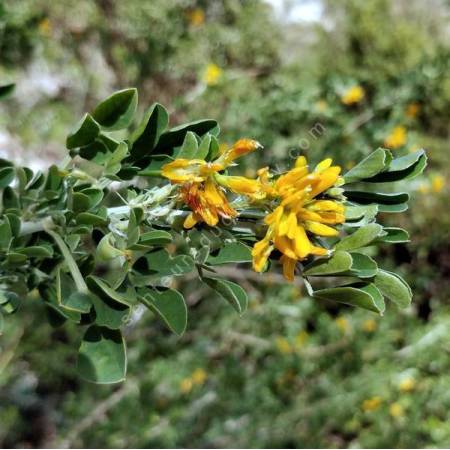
[(292, 372)]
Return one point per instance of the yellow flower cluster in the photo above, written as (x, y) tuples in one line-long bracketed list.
[(197, 378), (202, 185), (196, 17), (299, 213), (212, 74), (353, 95), (297, 203), (397, 138), (371, 404)]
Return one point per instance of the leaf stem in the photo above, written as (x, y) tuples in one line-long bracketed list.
[(73, 268)]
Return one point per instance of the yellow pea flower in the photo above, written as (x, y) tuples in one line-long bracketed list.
[(202, 187), (371, 404), (396, 410), (412, 110), (212, 74), (199, 376), (343, 324), (299, 215), (353, 95), (407, 384), (196, 17), (186, 385), (283, 345), (45, 26), (301, 339), (437, 183), (397, 138), (369, 326)]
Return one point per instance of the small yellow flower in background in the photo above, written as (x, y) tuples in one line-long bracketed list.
[(199, 376), (423, 188), (343, 324), (45, 27), (408, 384), (212, 74), (369, 326), (396, 410), (397, 138), (186, 385), (371, 404), (301, 338), (283, 345), (299, 213), (412, 110), (353, 95), (321, 105), (437, 183), (196, 17)]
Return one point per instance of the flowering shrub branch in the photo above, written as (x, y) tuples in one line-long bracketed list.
[(95, 237)]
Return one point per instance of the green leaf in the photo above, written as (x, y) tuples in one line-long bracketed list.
[(80, 202), (360, 238), (156, 237), (10, 198), (146, 136), (9, 302), (102, 288), (363, 266), (169, 305), (117, 111), (106, 250), (393, 235), (84, 133), (340, 261), (165, 265), (397, 208), (214, 149), (375, 293), (7, 175), (234, 252), (405, 167), (175, 136), (5, 234), (365, 198), (102, 356), (6, 90), (77, 301), (109, 312), (394, 288), (36, 251), (203, 148), (114, 163), (87, 218), (189, 148), (133, 231), (351, 295), (231, 292), (370, 166), (94, 195)]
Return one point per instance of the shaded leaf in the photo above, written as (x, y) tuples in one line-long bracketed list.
[(169, 305), (394, 288), (102, 356), (84, 133), (231, 292), (117, 111), (360, 238), (235, 252)]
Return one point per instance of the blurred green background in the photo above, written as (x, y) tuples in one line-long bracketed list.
[(316, 77)]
